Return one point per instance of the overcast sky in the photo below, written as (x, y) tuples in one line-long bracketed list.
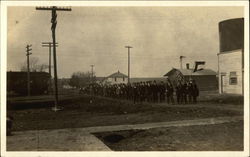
[(97, 35)]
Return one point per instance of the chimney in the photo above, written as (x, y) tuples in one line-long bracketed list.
[(187, 65)]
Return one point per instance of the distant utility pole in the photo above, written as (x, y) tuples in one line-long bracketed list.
[(128, 47), (92, 73), (181, 57), (92, 81), (28, 53), (49, 45), (53, 29)]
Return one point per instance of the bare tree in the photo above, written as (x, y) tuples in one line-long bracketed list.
[(81, 79), (34, 65), (41, 67)]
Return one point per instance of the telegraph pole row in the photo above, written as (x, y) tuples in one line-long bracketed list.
[(28, 53), (49, 45), (53, 29)]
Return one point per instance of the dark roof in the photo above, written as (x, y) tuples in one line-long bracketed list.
[(145, 79), (231, 34), (232, 51), (17, 74), (25, 72), (189, 72), (233, 20), (117, 75), (99, 78)]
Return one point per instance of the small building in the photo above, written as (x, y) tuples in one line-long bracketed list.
[(205, 78), (17, 83), (231, 56), (116, 78)]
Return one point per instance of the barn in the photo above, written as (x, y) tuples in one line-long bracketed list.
[(17, 83), (205, 78), (231, 56)]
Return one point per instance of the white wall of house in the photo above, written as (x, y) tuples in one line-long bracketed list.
[(117, 80), (231, 72)]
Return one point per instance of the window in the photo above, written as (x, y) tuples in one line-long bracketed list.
[(123, 79), (233, 78), (115, 79)]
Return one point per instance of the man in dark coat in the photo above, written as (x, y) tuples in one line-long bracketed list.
[(170, 92), (162, 91), (154, 89), (142, 91), (9, 125), (184, 93), (179, 93), (195, 92), (189, 92), (135, 92), (129, 91), (149, 92)]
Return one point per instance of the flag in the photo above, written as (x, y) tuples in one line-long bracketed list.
[(197, 63)]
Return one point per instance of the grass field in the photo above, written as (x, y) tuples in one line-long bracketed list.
[(81, 113), (214, 97)]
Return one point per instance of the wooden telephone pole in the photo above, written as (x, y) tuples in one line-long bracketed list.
[(49, 45), (28, 53), (92, 83), (128, 47), (53, 10), (92, 73)]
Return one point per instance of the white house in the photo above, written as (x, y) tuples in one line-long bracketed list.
[(231, 56), (116, 78), (231, 72)]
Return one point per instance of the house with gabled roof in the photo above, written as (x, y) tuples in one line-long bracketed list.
[(116, 78), (205, 78)]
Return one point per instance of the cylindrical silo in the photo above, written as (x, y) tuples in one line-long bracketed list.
[(231, 34)]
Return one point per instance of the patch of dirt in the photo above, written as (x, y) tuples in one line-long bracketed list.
[(218, 137)]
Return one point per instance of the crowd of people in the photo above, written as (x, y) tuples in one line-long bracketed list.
[(151, 91)]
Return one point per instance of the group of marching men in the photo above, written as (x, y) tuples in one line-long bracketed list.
[(151, 91)]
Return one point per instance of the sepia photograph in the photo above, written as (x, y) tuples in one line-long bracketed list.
[(125, 78)]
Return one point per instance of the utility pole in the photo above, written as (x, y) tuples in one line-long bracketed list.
[(181, 57), (128, 47), (53, 10), (49, 45), (92, 81), (28, 53), (92, 73)]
